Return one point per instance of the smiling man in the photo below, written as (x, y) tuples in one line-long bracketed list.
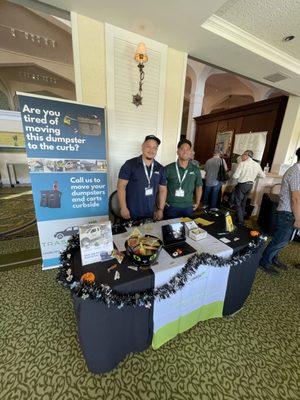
[(141, 180), (183, 182)]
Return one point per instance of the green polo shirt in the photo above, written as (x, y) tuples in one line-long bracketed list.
[(192, 180)]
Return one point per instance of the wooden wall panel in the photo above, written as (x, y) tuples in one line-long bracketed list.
[(266, 115), (229, 124), (205, 141)]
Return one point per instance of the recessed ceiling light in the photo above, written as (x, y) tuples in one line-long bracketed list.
[(288, 38)]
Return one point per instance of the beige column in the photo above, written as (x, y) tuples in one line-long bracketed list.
[(89, 60), (289, 138), (196, 101), (175, 80)]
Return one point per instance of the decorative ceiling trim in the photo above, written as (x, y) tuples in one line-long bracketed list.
[(233, 33)]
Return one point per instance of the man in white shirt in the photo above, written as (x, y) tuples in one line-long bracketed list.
[(246, 173)]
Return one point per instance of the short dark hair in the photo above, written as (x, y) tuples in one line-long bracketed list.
[(184, 141), (298, 154), (249, 153)]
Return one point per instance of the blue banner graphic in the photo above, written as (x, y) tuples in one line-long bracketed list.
[(66, 150)]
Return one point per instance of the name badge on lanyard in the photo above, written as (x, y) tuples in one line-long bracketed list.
[(148, 189), (180, 192)]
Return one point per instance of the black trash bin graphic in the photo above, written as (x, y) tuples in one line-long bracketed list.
[(50, 198)]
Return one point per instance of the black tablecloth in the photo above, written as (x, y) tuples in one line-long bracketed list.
[(217, 229), (241, 278), (240, 281), (108, 334)]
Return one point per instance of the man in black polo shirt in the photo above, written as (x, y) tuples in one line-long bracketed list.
[(183, 179), (141, 179)]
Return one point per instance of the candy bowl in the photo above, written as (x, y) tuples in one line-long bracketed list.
[(143, 251)]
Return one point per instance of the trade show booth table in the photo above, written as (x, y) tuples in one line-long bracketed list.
[(217, 287)]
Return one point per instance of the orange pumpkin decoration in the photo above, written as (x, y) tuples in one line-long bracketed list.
[(88, 277), (254, 233)]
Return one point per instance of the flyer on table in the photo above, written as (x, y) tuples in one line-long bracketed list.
[(96, 242), (66, 149)]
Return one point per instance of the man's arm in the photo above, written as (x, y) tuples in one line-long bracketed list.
[(237, 173), (261, 173), (121, 188), (296, 207), (162, 196), (225, 164), (198, 195)]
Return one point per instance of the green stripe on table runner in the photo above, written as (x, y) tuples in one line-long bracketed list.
[(182, 324)]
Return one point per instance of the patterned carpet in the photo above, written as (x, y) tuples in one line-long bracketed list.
[(252, 355), (18, 230), (16, 211)]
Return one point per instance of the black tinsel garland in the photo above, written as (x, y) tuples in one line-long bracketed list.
[(110, 297)]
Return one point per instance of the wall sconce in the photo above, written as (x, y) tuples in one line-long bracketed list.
[(140, 57)]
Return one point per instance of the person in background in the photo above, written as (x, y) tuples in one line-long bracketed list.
[(246, 173), (212, 185), (141, 179), (183, 179), (287, 218), (192, 159)]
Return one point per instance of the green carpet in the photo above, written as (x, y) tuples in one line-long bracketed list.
[(252, 355), (18, 245), (16, 211)]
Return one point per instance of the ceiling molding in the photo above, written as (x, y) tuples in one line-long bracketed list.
[(233, 33)]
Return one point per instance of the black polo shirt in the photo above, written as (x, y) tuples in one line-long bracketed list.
[(140, 205)]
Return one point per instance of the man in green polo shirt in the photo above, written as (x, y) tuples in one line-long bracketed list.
[(183, 180)]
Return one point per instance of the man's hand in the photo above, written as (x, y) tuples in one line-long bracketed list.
[(297, 223), (158, 215), (195, 206), (125, 213)]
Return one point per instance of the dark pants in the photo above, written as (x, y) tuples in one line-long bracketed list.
[(211, 193), (283, 230), (241, 193), (176, 212)]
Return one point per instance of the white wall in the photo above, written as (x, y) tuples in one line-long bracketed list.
[(127, 124)]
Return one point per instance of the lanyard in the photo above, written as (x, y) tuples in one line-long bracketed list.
[(178, 175), (146, 172)]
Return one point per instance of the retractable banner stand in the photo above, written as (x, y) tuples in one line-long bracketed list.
[(66, 150)]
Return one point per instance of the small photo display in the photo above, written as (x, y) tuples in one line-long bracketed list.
[(96, 242), (173, 233)]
